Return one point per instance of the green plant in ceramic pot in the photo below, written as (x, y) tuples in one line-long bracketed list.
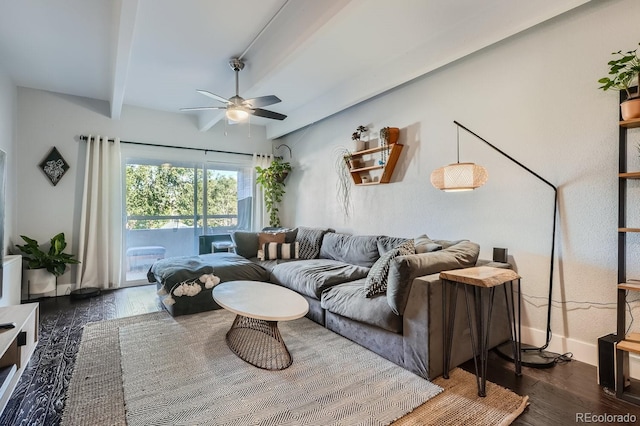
[(45, 266), (271, 179), (623, 74)]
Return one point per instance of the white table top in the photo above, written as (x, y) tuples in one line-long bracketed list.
[(254, 299)]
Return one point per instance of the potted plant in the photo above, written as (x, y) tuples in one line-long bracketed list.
[(389, 135), (623, 73), (271, 179), (357, 137), (45, 266)]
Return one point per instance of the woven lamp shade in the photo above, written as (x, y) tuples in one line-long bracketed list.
[(459, 177)]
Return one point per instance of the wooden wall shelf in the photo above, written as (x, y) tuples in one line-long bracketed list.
[(630, 124), (387, 169)]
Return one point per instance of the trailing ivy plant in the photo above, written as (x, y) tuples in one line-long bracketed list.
[(623, 72), (271, 179)]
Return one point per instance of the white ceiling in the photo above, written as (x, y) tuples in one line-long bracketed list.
[(319, 57)]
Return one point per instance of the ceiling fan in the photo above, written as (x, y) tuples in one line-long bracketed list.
[(237, 108)]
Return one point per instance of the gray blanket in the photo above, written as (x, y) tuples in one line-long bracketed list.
[(226, 266)]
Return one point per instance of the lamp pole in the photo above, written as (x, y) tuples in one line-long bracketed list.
[(532, 356)]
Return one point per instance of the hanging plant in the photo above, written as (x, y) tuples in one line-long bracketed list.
[(271, 179), (343, 189)]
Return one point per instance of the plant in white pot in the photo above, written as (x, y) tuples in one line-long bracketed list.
[(44, 267), (623, 73)]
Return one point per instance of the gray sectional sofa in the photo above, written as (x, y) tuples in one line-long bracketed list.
[(404, 323)]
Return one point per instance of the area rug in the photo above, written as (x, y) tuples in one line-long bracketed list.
[(150, 343)]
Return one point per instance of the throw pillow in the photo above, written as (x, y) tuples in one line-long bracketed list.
[(268, 237), (310, 240), (425, 244), (376, 282), (280, 251)]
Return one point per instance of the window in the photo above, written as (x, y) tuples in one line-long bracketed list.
[(168, 206)]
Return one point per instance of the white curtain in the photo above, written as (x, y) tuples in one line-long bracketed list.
[(100, 249), (260, 215)]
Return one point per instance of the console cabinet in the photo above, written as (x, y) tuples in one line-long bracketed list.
[(16, 345)]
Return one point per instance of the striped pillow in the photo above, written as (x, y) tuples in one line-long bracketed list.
[(280, 250)]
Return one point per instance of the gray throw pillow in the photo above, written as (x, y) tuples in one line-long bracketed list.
[(246, 243), (425, 244), (376, 282), (310, 240)]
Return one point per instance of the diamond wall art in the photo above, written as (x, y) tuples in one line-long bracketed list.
[(54, 166)]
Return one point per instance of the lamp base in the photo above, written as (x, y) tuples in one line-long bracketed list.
[(84, 293), (530, 356)]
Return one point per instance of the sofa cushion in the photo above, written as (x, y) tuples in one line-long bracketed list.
[(311, 277), (425, 244), (389, 243), (348, 300), (376, 282), (359, 250), (310, 240), (403, 269), (246, 243)]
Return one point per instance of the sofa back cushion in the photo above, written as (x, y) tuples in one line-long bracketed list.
[(246, 243), (403, 269), (310, 240), (386, 244), (361, 250)]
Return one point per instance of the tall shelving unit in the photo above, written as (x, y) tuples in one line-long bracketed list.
[(627, 343)]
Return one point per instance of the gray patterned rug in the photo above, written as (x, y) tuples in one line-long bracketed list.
[(180, 371)]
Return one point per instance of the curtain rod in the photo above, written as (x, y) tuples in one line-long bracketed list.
[(84, 138)]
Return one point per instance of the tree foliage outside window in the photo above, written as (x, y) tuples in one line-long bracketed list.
[(169, 191)]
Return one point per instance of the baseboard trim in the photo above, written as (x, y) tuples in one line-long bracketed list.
[(583, 352)]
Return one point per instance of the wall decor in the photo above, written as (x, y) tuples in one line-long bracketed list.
[(54, 166)]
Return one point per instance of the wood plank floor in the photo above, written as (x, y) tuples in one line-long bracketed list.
[(556, 394)]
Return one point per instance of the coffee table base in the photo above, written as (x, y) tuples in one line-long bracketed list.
[(259, 343)]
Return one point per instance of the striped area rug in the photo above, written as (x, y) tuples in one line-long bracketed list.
[(184, 373)]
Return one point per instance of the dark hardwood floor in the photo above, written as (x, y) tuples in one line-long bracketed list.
[(556, 394)]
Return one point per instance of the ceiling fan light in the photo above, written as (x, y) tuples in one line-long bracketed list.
[(459, 177), (237, 114)]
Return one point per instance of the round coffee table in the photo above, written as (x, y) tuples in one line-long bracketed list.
[(254, 334)]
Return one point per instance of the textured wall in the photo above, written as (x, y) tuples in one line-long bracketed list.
[(535, 96)]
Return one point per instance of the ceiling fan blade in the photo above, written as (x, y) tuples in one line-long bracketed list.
[(213, 96), (261, 101), (267, 114), (201, 108)]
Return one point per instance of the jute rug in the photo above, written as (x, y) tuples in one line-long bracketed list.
[(168, 364)]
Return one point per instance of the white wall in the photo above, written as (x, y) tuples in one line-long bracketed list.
[(48, 119), (534, 96), (7, 144)]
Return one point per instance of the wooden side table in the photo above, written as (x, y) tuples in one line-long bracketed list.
[(483, 281)]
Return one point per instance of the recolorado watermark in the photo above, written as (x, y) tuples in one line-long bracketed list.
[(605, 418)]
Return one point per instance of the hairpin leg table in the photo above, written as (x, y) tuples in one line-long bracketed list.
[(481, 282)]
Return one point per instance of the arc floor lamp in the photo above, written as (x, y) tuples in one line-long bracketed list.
[(468, 176)]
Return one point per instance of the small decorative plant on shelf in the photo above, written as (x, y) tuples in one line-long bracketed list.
[(623, 74), (45, 266), (271, 179), (357, 137)]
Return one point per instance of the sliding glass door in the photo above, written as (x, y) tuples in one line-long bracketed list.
[(168, 206)]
